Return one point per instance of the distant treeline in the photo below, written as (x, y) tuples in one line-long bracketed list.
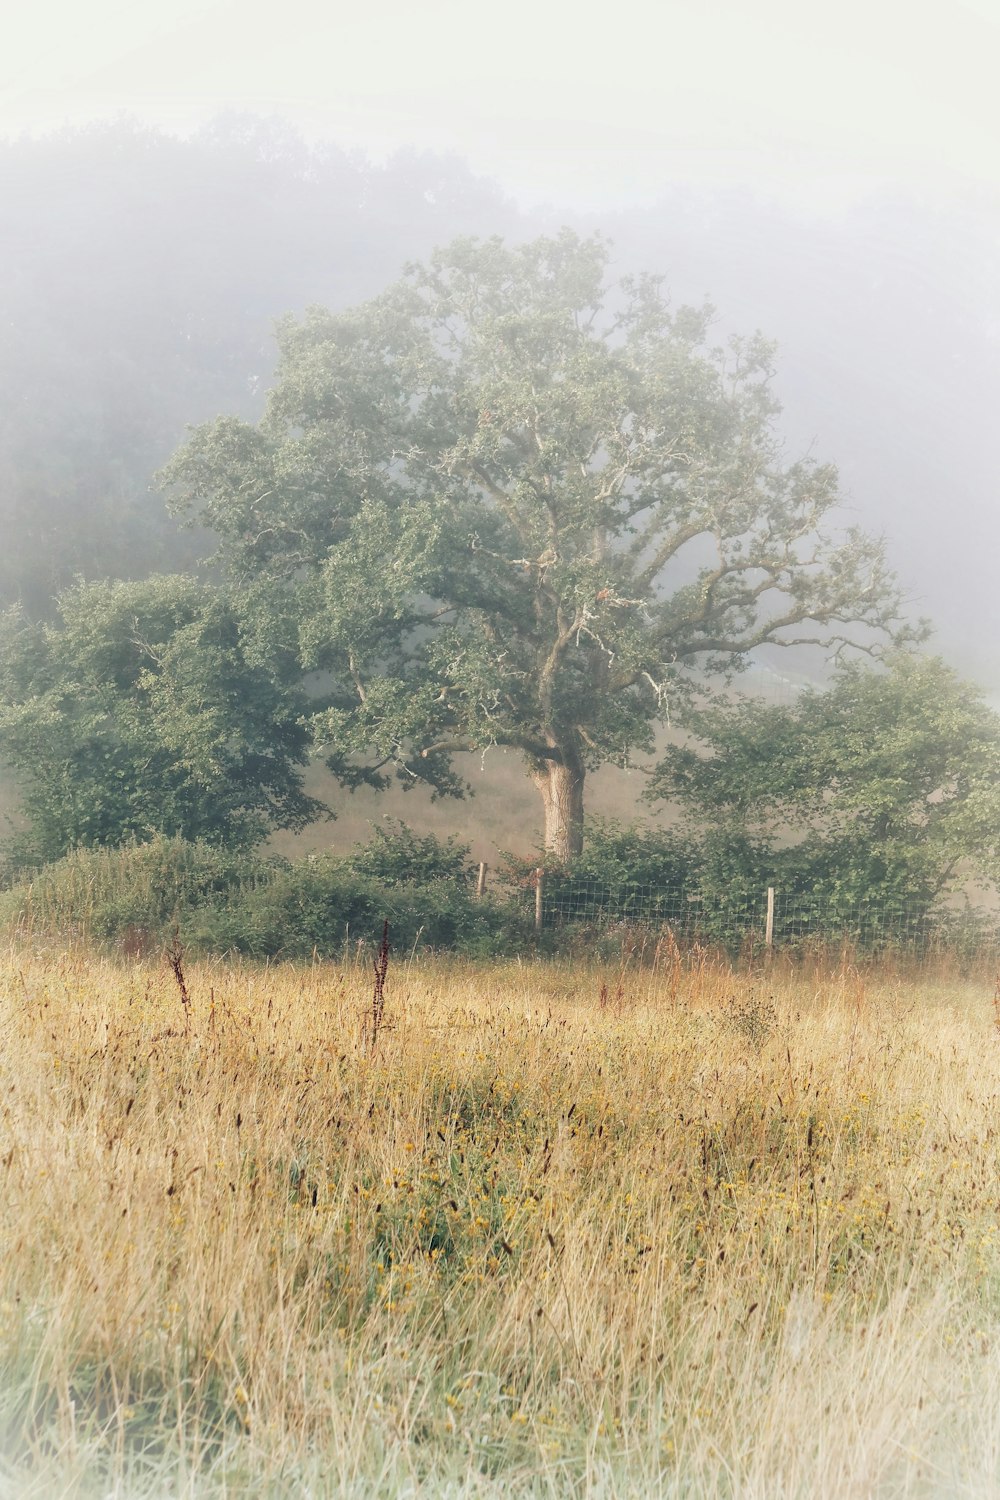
[(140, 280)]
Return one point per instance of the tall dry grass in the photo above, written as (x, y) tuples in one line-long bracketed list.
[(562, 1232)]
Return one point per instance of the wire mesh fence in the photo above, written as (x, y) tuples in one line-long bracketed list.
[(906, 927), (566, 900), (786, 921)]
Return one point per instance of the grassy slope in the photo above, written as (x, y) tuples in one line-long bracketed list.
[(714, 1236), (503, 814)]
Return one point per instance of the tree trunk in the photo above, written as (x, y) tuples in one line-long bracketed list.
[(560, 783)]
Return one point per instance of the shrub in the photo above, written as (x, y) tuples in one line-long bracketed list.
[(396, 855), (103, 893), (626, 873), (224, 902), (319, 906)]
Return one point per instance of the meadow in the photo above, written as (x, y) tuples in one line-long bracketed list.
[(554, 1230)]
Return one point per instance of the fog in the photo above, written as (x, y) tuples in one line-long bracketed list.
[(172, 184)]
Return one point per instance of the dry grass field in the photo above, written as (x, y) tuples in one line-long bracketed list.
[(558, 1232)]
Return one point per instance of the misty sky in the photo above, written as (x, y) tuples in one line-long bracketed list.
[(587, 105), (828, 172)]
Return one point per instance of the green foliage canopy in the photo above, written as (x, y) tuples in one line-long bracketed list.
[(883, 788), (144, 709)]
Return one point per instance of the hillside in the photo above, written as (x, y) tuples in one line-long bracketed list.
[(503, 812)]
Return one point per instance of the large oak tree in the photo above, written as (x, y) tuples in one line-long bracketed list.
[(506, 503)]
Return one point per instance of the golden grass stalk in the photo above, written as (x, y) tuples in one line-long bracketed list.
[(720, 1235)]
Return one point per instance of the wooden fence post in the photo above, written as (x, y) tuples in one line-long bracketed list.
[(539, 892), (481, 878), (769, 926)]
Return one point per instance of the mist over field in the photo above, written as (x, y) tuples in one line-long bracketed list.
[(142, 276)]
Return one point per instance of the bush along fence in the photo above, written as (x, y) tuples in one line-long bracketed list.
[(134, 898)]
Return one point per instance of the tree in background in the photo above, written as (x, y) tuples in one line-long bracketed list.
[(506, 504), (143, 710), (884, 789)]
